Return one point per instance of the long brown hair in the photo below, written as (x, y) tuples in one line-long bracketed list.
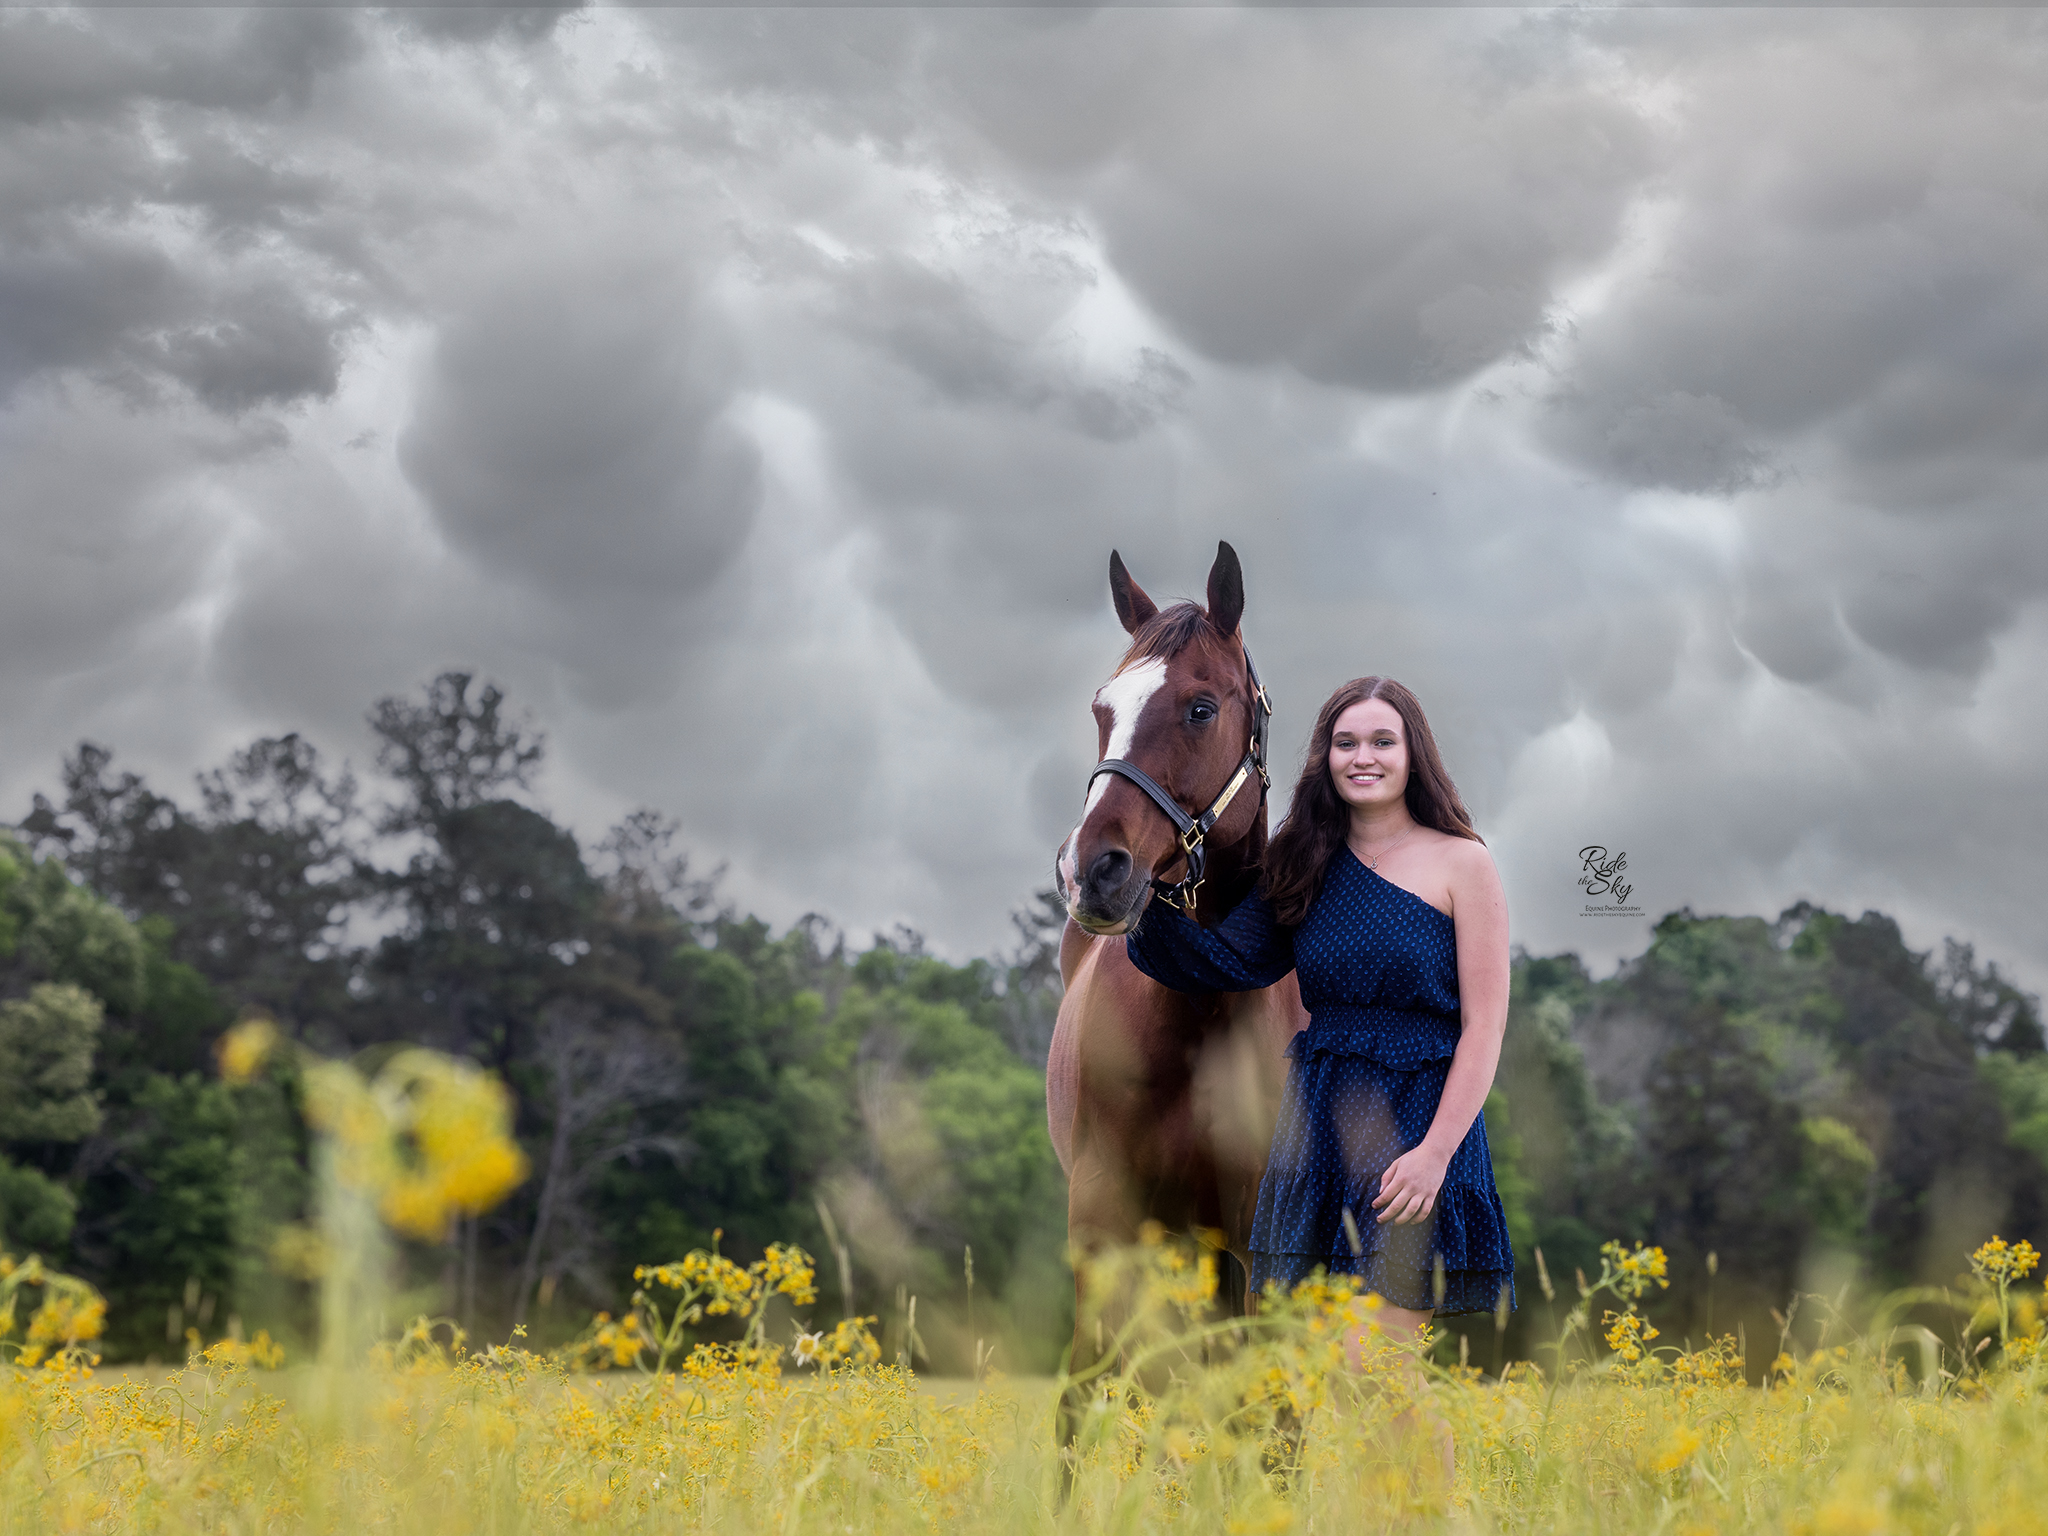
[(1317, 821)]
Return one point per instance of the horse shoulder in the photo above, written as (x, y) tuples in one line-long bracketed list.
[(1116, 1029), (1273, 1016)]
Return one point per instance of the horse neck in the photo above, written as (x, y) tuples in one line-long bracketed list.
[(1232, 871)]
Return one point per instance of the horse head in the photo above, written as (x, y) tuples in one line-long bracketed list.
[(1183, 709)]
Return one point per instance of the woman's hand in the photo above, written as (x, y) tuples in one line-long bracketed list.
[(1408, 1187)]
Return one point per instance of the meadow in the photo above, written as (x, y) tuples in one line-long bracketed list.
[(1189, 1419), (718, 1395)]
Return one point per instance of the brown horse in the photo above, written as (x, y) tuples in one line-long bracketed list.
[(1161, 1104)]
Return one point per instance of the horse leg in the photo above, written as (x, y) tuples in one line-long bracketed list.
[(1101, 1214)]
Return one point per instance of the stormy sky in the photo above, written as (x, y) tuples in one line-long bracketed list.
[(1662, 394)]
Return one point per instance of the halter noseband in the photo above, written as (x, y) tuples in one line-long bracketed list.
[(1193, 829)]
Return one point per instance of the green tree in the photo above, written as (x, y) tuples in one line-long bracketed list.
[(1576, 1153), (36, 1212), (250, 893), (496, 900), (162, 1214), (54, 930), (124, 1168), (1835, 1178), (48, 1035), (46, 1050)]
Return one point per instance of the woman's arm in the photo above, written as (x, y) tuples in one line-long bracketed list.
[(1244, 952), (1408, 1188)]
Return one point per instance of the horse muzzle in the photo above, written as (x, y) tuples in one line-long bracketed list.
[(1108, 897)]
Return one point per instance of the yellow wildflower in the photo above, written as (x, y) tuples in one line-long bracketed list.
[(1676, 1451), (1634, 1269), (2000, 1262), (851, 1344), (244, 1049), (1628, 1334)]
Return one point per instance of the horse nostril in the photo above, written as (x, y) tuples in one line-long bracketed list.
[(1111, 867)]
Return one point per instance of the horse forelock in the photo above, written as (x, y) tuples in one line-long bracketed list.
[(1145, 668), (1166, 634)]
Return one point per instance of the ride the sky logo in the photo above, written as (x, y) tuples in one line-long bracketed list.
[(1603, 874)]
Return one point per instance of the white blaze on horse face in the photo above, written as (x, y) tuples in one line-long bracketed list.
[(1125, 697)]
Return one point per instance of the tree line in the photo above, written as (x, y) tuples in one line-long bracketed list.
[(1792, 1105), (1761, 1097), (682, 1072)]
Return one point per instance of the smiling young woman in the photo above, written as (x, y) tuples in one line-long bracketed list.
[(1378, 891)]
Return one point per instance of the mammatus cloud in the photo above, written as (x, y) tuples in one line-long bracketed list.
[(758, 396), (572, 435)]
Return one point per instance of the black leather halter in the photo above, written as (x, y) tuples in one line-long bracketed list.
[(1193, 829)]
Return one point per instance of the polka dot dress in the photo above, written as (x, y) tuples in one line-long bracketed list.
[(1379, 976)]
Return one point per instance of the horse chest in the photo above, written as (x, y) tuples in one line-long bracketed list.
[(1159, 1076)]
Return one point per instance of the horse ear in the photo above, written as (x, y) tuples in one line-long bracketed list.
[(1226, 590), (1132, 605)]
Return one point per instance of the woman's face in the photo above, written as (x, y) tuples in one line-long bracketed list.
[(1369, 755)]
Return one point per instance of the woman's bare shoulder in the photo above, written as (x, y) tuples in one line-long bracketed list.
[(1463, 864), (1453, 852)]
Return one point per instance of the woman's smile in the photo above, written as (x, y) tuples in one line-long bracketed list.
[(1369, 753)]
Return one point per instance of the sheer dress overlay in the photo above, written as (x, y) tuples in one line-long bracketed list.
[(1378, 969)]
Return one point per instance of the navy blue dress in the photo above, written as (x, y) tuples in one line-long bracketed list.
[(1379, 976)]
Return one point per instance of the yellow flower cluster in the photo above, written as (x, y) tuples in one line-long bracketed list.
[(2000, 1262), (788, 1271), (618, 1343), (1719, 1364), (712, 1285), (70, 1314), (244, 1049), (1635, 1269), (263, 1352), (1178, 1276), (850, 1343), (725, 1288), (430, 1137), (1677, 1449), (1328, 1334), (1628, 1334)]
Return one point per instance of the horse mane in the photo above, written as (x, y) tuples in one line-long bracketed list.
[(1166, 634)]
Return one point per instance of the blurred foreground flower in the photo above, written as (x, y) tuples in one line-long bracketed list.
[(59, 1333), (244, 1049), (429, 1138)]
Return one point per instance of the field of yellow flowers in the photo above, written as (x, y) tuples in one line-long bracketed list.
[(1187, 1419), (1196, 1421)]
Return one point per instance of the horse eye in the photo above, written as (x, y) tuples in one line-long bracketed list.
[(1201, 712)]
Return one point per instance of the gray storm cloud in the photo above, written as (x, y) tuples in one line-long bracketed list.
[(758, 395), (570, 434), (138, 245), (1401, 224)]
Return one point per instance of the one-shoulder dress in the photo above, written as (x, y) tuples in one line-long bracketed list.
[(1379, 976)]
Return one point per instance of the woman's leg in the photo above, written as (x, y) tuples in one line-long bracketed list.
[(1401, 1325)]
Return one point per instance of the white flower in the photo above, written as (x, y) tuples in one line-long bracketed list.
[(809, 1348)]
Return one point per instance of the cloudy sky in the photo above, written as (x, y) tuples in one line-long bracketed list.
[(1663, 394)]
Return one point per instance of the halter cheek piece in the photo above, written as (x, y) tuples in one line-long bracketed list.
[(1193, 829)]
